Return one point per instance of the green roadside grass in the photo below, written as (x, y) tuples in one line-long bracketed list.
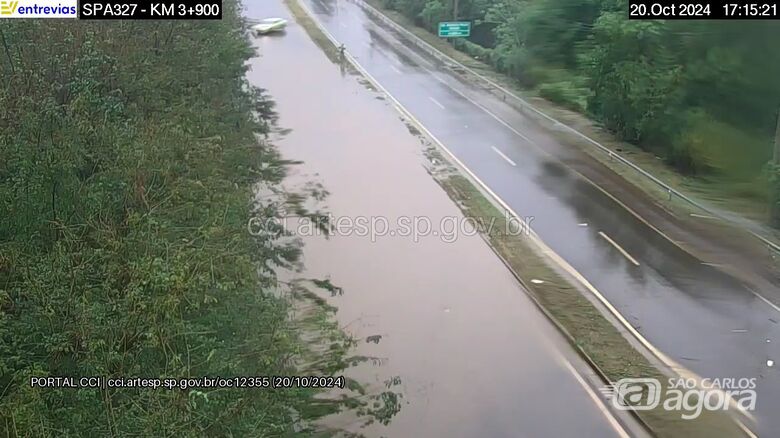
[(131, 154)]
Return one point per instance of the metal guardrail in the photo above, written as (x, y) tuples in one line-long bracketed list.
[(446, 59)]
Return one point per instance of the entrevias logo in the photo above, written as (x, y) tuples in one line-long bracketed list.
[(38, 9), (7, 7)]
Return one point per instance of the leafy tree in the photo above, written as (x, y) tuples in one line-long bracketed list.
[(633, 80), (433, 13)]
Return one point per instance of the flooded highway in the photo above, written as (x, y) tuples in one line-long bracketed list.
[(703, 319), (445, 320)]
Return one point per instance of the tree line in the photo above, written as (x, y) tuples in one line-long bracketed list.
[(702, 95)]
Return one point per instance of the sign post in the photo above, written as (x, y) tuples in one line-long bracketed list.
[(454, 29)]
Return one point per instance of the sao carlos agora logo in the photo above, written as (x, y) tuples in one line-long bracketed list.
[(8, 7)]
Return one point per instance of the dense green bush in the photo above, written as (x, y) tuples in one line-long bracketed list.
[(483, 54), (128, 156), (564, 93), (710, 144)]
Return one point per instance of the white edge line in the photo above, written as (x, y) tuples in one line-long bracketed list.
[(747, 431), (619, 248), (774, 306), (436, 102), (679, 369), (600, 404), (503, 156)]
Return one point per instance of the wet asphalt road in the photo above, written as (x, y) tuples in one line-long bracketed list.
[(705, 320), (473, 355)]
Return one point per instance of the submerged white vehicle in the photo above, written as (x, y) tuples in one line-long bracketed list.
[(269, 25)]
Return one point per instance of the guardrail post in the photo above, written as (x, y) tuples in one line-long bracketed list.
[(670, 194)]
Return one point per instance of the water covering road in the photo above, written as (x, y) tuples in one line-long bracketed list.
[(473, 354), (703, 319)]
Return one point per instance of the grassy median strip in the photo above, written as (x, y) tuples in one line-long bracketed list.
[(589, 331), (582, 323)]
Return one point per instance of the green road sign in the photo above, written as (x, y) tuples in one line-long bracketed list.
[(454, 29)]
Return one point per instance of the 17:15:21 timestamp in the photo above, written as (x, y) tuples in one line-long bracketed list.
[(767, 10)]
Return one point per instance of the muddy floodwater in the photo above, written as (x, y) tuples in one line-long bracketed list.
[(471, 354)]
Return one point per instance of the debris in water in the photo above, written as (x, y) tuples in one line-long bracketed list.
[(770, 362), (584, 224), (536, 281), (446, 310), (374, 339)]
